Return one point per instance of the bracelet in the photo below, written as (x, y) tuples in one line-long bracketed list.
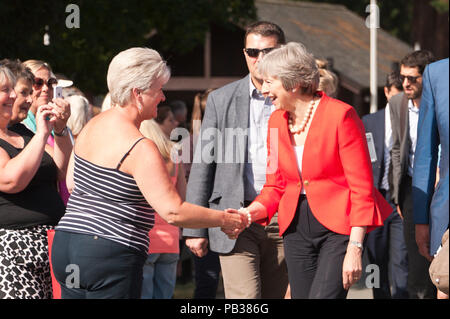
[(62, 133), (356, 243), (249, 216)]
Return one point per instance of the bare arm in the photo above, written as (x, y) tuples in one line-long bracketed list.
[(63, 145), (69, 177), (149, 170), (352, 266), (16, 173)]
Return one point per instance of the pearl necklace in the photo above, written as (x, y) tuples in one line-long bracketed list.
[(297, 129)]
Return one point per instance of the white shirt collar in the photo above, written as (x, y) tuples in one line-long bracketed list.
[(412, 107)]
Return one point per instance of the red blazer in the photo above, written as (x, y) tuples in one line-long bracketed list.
[(336, 171)]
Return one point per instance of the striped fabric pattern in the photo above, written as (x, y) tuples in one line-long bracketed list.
[(107, 202)]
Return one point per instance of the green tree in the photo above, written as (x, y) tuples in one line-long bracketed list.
[(106, 28)]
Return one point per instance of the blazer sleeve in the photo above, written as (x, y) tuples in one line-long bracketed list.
[(426, 154), (394, 176), (275, 185), (355, 159), (201, 177)]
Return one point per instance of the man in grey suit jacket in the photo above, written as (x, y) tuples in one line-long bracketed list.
[(229, 171), (404, 109)]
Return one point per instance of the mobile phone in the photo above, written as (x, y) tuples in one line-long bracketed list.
[(57, 92)]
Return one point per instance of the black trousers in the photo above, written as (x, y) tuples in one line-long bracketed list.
[(419, 282), (314, 257), (91, 267)]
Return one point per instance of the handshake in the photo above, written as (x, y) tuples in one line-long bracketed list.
[(236, 221)]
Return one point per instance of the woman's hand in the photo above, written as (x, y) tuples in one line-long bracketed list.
[(240, 223), (352, 267), (61, 111), (45, 120)]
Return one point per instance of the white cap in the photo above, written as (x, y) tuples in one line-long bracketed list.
[(65, 83)]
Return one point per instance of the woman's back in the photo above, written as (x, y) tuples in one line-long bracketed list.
[(106, 201), (106, 139)]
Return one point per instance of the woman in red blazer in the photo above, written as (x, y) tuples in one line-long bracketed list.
[(319, 178)]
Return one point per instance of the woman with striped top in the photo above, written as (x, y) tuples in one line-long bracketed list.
[(118, 180)]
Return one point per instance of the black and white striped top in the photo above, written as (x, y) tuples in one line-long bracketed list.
[(108, 203)]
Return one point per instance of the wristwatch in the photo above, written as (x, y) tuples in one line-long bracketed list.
[(356, 243), (64, 132)]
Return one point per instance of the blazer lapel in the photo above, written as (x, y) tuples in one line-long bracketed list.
[(241, 109), (285, 147), (404, 118)]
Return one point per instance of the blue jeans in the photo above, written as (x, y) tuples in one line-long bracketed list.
[(160, 275)]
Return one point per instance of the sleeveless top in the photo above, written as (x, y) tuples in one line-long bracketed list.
[(39, 203), (108, 203)]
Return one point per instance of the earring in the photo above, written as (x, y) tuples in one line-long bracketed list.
[(139, 106)]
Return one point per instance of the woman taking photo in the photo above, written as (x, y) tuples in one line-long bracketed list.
[(29, 200), (118, 180), (319, 178)]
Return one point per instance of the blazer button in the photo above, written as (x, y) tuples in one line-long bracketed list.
[(306, 183)]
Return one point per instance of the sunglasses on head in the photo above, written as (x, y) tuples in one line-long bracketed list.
[(254, 53), (38, 82), (411, 79)]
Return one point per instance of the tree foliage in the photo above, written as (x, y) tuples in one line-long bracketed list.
[(395, 16), (106, 28)]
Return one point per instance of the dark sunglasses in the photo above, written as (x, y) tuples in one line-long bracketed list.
[(254, 53), (38, 82), (411, 79)]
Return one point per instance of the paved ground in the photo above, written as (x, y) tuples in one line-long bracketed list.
[(360, 293)]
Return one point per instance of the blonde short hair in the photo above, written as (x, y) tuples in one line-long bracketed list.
[(293, 65), (150, 129), (35, 65), (328, 79), (135, 68), (80, 113)]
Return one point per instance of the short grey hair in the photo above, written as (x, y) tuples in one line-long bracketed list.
[(136, 68), (6, 75), (293, 65), (80, 113)]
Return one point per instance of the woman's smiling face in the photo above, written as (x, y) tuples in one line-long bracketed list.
[(7, 98), (273, 88), (42, 94), (24, 90)]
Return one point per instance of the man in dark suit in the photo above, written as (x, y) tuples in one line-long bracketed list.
[(230, 170), (404, 109), (385, 246)]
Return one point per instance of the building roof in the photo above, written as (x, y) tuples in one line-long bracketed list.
[(330, 30)]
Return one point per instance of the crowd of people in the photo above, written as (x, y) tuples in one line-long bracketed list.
[(311, 188)]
